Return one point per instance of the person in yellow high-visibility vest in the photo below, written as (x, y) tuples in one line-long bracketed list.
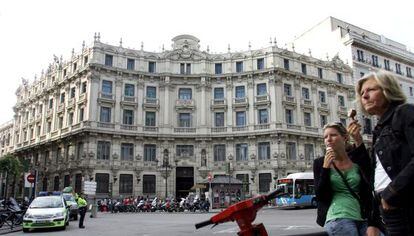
[(82, 204)]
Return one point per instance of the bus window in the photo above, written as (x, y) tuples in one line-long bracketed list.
[(290, 189), (283, 187), (287, 187), (310, 187), (299, 186)]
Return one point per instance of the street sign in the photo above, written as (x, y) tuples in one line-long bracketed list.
[(31, 178), (89, 187), (27, 183)]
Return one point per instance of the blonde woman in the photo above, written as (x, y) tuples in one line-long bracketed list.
[(341, 183), (380, 95)]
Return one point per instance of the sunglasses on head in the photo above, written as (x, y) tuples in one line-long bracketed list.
[(340, 124)]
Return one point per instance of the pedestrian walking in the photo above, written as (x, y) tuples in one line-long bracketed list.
[(380, 94), (341, 185)]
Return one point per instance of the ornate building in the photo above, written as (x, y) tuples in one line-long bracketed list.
[(6, 134), (365, 51), (143, 123)]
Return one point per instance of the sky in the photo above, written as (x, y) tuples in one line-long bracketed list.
[(31, 32)]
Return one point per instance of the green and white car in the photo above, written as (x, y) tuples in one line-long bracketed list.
[(46, 212)]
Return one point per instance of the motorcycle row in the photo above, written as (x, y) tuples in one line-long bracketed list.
[(11, 212), (156, 205)]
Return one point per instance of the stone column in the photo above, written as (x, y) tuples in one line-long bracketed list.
[(137, 183), (65, 110), (229, 101), (118, 112), (203, 108), (332, 103), (251, 95), (43, 117), (272, 98), (78, 85), (254, 181), (165, 104), (172, 113), (55, 116), (298, 117), (91, 149), (314, 96), (140, 117), (114, 179), (91, 112)]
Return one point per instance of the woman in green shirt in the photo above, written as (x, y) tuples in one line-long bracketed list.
[(340, 211)]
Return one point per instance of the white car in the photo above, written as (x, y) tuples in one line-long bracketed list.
[(46, 212)]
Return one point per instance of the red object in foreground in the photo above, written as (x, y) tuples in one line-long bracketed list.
[(244, 213)]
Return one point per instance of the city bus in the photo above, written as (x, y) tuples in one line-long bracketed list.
[(299, 191)]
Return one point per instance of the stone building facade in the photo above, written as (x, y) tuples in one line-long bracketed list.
[(144, 123), (6, 136)]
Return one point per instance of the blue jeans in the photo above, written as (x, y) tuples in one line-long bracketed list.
[(346, 227)]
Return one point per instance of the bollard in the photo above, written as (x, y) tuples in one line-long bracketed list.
[(94, 208)]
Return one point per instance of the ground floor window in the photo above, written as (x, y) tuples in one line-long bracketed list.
[(66, 181), (265, 180), (125, 184), (102, 183), (148, 184)]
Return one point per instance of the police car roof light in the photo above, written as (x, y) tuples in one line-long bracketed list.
[(46, 193)]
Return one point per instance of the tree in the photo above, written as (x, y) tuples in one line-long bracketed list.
[(10, 166)]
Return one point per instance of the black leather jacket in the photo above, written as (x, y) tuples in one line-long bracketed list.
[(393, 143), (324, 192)]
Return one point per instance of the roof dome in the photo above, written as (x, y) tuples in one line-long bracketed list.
[(185, 42)]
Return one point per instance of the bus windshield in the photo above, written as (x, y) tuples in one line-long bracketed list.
[(286, 185)]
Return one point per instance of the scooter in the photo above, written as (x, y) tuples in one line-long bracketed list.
[(140, 206), (244, 213)]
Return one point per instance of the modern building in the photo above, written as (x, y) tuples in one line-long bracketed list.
[(144, 123), (363, 50)]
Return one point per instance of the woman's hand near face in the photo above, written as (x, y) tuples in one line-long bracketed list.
[(329, 157), (354, 130)]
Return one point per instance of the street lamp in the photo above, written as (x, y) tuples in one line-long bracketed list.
[(278, 154), (166, 165)]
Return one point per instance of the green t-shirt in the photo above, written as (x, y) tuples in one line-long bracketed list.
[(343, 204)]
